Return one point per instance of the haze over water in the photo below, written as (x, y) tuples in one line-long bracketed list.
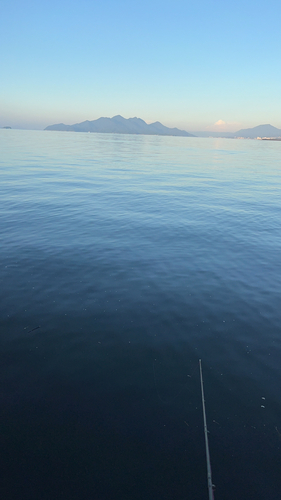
[(124, 259)]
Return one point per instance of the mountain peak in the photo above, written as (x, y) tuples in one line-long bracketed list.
[(120, 125)]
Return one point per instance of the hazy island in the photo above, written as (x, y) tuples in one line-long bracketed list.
[(120, 125), (259, 132)]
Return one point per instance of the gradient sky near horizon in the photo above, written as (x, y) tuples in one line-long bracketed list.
[(200, 65)]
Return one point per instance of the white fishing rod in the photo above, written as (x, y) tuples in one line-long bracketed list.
[(209, 471)]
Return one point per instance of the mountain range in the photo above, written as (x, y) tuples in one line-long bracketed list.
[(120, 125)]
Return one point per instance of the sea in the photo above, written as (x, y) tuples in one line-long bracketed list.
[(124, 260)]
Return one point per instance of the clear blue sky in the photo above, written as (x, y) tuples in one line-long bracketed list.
[(185, 63)]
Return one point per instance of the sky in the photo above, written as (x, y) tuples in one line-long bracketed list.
[(196, 65)]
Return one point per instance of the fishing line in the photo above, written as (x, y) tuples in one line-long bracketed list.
[(208, 461)]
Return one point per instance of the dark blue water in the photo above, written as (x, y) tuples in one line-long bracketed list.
[(125, 259)]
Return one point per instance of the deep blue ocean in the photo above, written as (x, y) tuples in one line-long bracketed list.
[(123, 261)]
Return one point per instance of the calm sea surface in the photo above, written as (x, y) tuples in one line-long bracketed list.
[(123, 260)]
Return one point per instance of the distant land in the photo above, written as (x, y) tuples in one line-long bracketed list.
[(120, 125), (261, 131)]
